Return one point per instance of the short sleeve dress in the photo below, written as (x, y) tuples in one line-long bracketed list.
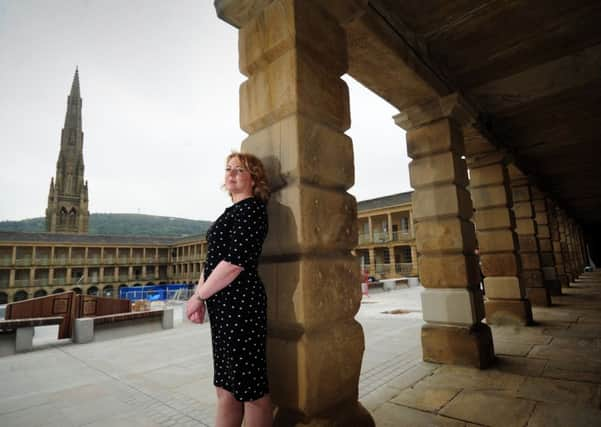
[(238, 312)]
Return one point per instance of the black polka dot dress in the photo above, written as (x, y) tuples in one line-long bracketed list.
[(238, 313)]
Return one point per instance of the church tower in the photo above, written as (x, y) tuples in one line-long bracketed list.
[(67, 210)]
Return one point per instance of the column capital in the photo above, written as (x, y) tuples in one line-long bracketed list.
[(454, 107)]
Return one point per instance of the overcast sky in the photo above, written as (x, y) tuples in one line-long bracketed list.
[(159, 83)]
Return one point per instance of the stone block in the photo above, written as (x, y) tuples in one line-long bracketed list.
[(497, 241), (500, 264), (522, 209), (444, 200), (280, 27), (494, 195), (24, 339), (549, 273), (274, 92), (442, 168), (508, 312), (539, 297), (545, 245), (530, 261), (308, 219), (452, 234), (437, 137), (452, 306), (426, 399), (83, 330), (504, 287), (448, 271), (528, 243), (546, 259), (493, 219), (487, 175), (525, 226), (531, 278), (315, 370), (538, 204), (168, 319), (542, 231), (521, 193), (298, 149), (469, 346), (312, 291)]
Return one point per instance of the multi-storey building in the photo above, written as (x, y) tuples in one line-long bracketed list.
[(386, 240), (37, 264)]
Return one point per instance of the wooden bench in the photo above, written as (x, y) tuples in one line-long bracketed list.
[(101, 328), (16, 335)]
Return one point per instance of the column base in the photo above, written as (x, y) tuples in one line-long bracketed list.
[(540, 297), (353, 414), (508, 312), (456, 345)]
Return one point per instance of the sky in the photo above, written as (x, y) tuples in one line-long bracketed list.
[(159, 82)]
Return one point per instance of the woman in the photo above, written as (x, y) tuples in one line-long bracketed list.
[(235, 297)]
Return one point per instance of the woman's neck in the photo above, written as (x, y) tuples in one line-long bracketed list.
[(239, 197)]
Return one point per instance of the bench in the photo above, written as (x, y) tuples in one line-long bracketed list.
[(390, 284), (101, 328), (16, 336)]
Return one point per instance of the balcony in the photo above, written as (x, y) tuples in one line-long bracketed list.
[(123, 260), (22, 283), (163, 260), (59, 281), (385, 270), (93, 261), (109, 260), (25, 261), (42, 261), (401, 235), (77, 261), (6, 261), (137, 260), (59, 261)]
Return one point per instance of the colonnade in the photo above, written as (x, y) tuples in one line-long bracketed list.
[(295, 108)]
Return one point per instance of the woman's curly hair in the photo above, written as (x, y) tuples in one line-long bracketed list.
[(257, 173)]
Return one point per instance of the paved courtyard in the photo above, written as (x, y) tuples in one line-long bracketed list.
[(546, 375)]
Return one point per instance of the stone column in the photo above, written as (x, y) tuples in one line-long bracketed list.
[(582, 241), (389, 227), (543, 234), (506, 300), (295, 108), (452, 302), (532, 274), (570, 246), (414, 270), (578, 246), (556, 243), (370, 229), (563, 237), (392, 260)]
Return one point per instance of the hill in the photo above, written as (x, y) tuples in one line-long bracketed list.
[(121, 224)]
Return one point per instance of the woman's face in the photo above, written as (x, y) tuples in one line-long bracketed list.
[(237, 178)]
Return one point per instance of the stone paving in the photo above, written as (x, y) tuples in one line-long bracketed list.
[(546, 375)]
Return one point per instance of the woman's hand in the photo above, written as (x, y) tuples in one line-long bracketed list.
[(195, 309)]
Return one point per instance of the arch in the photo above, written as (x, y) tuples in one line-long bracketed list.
[(72, 216), (93, 290), (20, 296), (107, 291), (62, 216), (3, 298), (150, 284), (137, 284), (77, 291), (58, 291), (40, 293)]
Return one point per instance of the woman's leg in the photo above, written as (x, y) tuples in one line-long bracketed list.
[(229, 410), (258, 413)]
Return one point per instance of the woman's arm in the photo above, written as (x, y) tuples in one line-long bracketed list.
[(222, 275)]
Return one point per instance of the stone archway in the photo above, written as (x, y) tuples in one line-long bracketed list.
[(93, 290), (40, 293), (58, 291), (20, 296)]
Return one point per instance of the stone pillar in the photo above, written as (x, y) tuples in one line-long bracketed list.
[(563, 241), (578, 246), (389, 226), (11, 279), (556, 243), (295, 108), (13, 260), (543, 234), (506, 300), (532, 274), (452, 302), (570, 246), (583, 245), (392, 260), (370, 228), (414, 270)]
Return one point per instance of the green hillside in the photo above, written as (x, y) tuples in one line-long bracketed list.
[(121, 224)]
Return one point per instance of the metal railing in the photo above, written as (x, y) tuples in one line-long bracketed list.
[(4, 261)]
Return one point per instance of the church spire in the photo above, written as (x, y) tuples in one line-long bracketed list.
[(67, 211)]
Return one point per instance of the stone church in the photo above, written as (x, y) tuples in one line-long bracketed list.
[(67, 210)]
